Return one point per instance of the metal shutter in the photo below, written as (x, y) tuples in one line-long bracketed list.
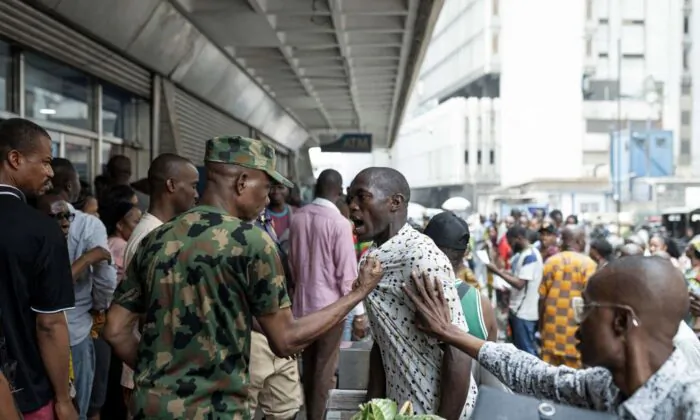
[(36, 30), (197, 122), (283, 164)]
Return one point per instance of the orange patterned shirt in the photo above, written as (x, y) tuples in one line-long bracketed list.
[(565, 276)]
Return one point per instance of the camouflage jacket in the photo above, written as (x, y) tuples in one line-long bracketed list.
[(199, 280)]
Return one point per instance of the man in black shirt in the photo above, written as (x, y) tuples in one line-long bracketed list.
[(36, 285)]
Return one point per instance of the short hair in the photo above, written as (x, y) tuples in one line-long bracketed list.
[(63, 173), (532, 235), (390, 181), (555, 213), (517, 231), (115, 203), (118, 165), (117, 194), (112, 215), (20, 134), (163, 167), (327, 180), (603, 247)]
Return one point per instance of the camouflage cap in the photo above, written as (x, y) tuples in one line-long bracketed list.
[(243, 151)]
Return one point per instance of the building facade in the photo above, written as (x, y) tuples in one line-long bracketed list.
[(564, 85), (97, 102), (633, 74)]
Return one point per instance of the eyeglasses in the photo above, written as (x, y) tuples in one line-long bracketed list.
[(68, 216), (580, 308)]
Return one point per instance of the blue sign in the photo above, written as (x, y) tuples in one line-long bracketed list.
[(639, 154), (350, 143)]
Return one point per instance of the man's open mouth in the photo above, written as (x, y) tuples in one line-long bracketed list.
[(359, 226)]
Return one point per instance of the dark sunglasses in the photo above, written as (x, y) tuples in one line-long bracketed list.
[(63, 216)]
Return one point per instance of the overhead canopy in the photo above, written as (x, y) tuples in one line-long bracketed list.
[(340, 66), (289, 68)]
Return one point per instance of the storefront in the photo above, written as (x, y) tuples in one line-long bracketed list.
[(89, 120), (96, 103)]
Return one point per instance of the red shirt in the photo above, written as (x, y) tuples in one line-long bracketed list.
[(504, 251)]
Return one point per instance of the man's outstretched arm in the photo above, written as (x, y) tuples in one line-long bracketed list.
[(522, 372), (288, 336)]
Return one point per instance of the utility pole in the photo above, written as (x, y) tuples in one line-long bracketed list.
[(620, 149)]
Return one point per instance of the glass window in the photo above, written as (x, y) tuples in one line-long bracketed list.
[(55, 92), (79, 152), (55, 143), (124, 115), (5, 63)]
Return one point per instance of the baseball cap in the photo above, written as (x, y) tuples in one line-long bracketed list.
[(448, 230), (246, 152)]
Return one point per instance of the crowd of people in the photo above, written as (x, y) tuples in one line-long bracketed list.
[(222, 296)]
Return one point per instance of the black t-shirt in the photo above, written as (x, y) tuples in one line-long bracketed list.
[(35, 278)]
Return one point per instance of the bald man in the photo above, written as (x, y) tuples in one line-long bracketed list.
[(685, 340), (405, 364), (565, 276), (629, 315)]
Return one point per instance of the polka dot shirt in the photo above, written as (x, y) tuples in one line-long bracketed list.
[(411, 359)]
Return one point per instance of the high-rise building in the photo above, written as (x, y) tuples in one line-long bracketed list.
[(567, 74), (632, 74)]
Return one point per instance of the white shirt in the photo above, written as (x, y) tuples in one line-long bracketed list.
[(146, 225), (529, 267), (412, 360)]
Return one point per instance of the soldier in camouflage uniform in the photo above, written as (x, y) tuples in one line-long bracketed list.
[(198, 280)]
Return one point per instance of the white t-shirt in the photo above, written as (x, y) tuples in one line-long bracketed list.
[(529, 267), (411, 359), (146, 225)]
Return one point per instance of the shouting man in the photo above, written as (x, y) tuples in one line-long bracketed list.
[(405, 363)]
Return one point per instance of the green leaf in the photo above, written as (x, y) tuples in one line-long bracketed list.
[(377, 409)]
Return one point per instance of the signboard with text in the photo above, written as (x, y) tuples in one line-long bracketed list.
[(350, 143)]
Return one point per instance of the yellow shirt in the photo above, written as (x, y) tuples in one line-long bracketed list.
[(565, 276)]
